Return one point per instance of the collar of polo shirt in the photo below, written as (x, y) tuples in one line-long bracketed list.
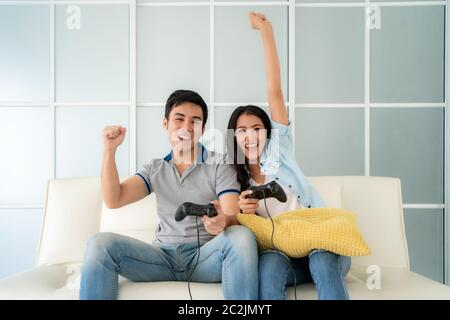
[(201, 157)]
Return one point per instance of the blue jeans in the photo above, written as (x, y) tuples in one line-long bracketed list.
[(231, 258), (326, 269)]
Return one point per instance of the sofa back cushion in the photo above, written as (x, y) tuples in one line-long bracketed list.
[(378, 203), (71, 216), (137, 220)]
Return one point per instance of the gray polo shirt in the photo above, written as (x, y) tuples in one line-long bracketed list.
[(206, 180)]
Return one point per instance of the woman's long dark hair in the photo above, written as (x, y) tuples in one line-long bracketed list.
[(238, 158)]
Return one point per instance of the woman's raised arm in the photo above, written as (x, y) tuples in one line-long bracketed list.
[(258, 21)]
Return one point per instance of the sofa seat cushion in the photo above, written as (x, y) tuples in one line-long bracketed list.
[(60, 282)]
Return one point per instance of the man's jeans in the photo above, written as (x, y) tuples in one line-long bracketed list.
[(326, 269), (231, 258)]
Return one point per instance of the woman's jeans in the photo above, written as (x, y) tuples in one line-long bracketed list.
[(231, 258), (326, 269)]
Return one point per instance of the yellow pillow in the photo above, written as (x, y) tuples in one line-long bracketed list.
[(298, 232)]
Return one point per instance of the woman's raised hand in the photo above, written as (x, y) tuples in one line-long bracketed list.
[(258, 20)]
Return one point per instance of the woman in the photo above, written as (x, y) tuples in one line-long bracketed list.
[(268, 155)]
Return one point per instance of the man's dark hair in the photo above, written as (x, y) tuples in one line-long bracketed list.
[(182, 96)]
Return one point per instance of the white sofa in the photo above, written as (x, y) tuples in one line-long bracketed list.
[(74, 211)]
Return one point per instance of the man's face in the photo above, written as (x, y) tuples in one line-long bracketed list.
[(184, 126)]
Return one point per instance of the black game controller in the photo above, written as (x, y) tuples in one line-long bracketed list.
[(269, 190), (192, 209)]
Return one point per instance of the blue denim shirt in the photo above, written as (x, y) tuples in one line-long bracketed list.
[(278, 160)]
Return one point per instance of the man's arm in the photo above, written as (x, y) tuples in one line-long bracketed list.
[(116, 194), (230, 206), (227, 205), (227, 210), (275, 95)]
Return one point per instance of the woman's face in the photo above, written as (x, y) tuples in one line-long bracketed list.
[(251, 136)]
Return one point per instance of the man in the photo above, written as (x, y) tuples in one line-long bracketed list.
[(190, 173)]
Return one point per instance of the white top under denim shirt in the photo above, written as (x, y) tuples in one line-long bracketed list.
[(278, 160)]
